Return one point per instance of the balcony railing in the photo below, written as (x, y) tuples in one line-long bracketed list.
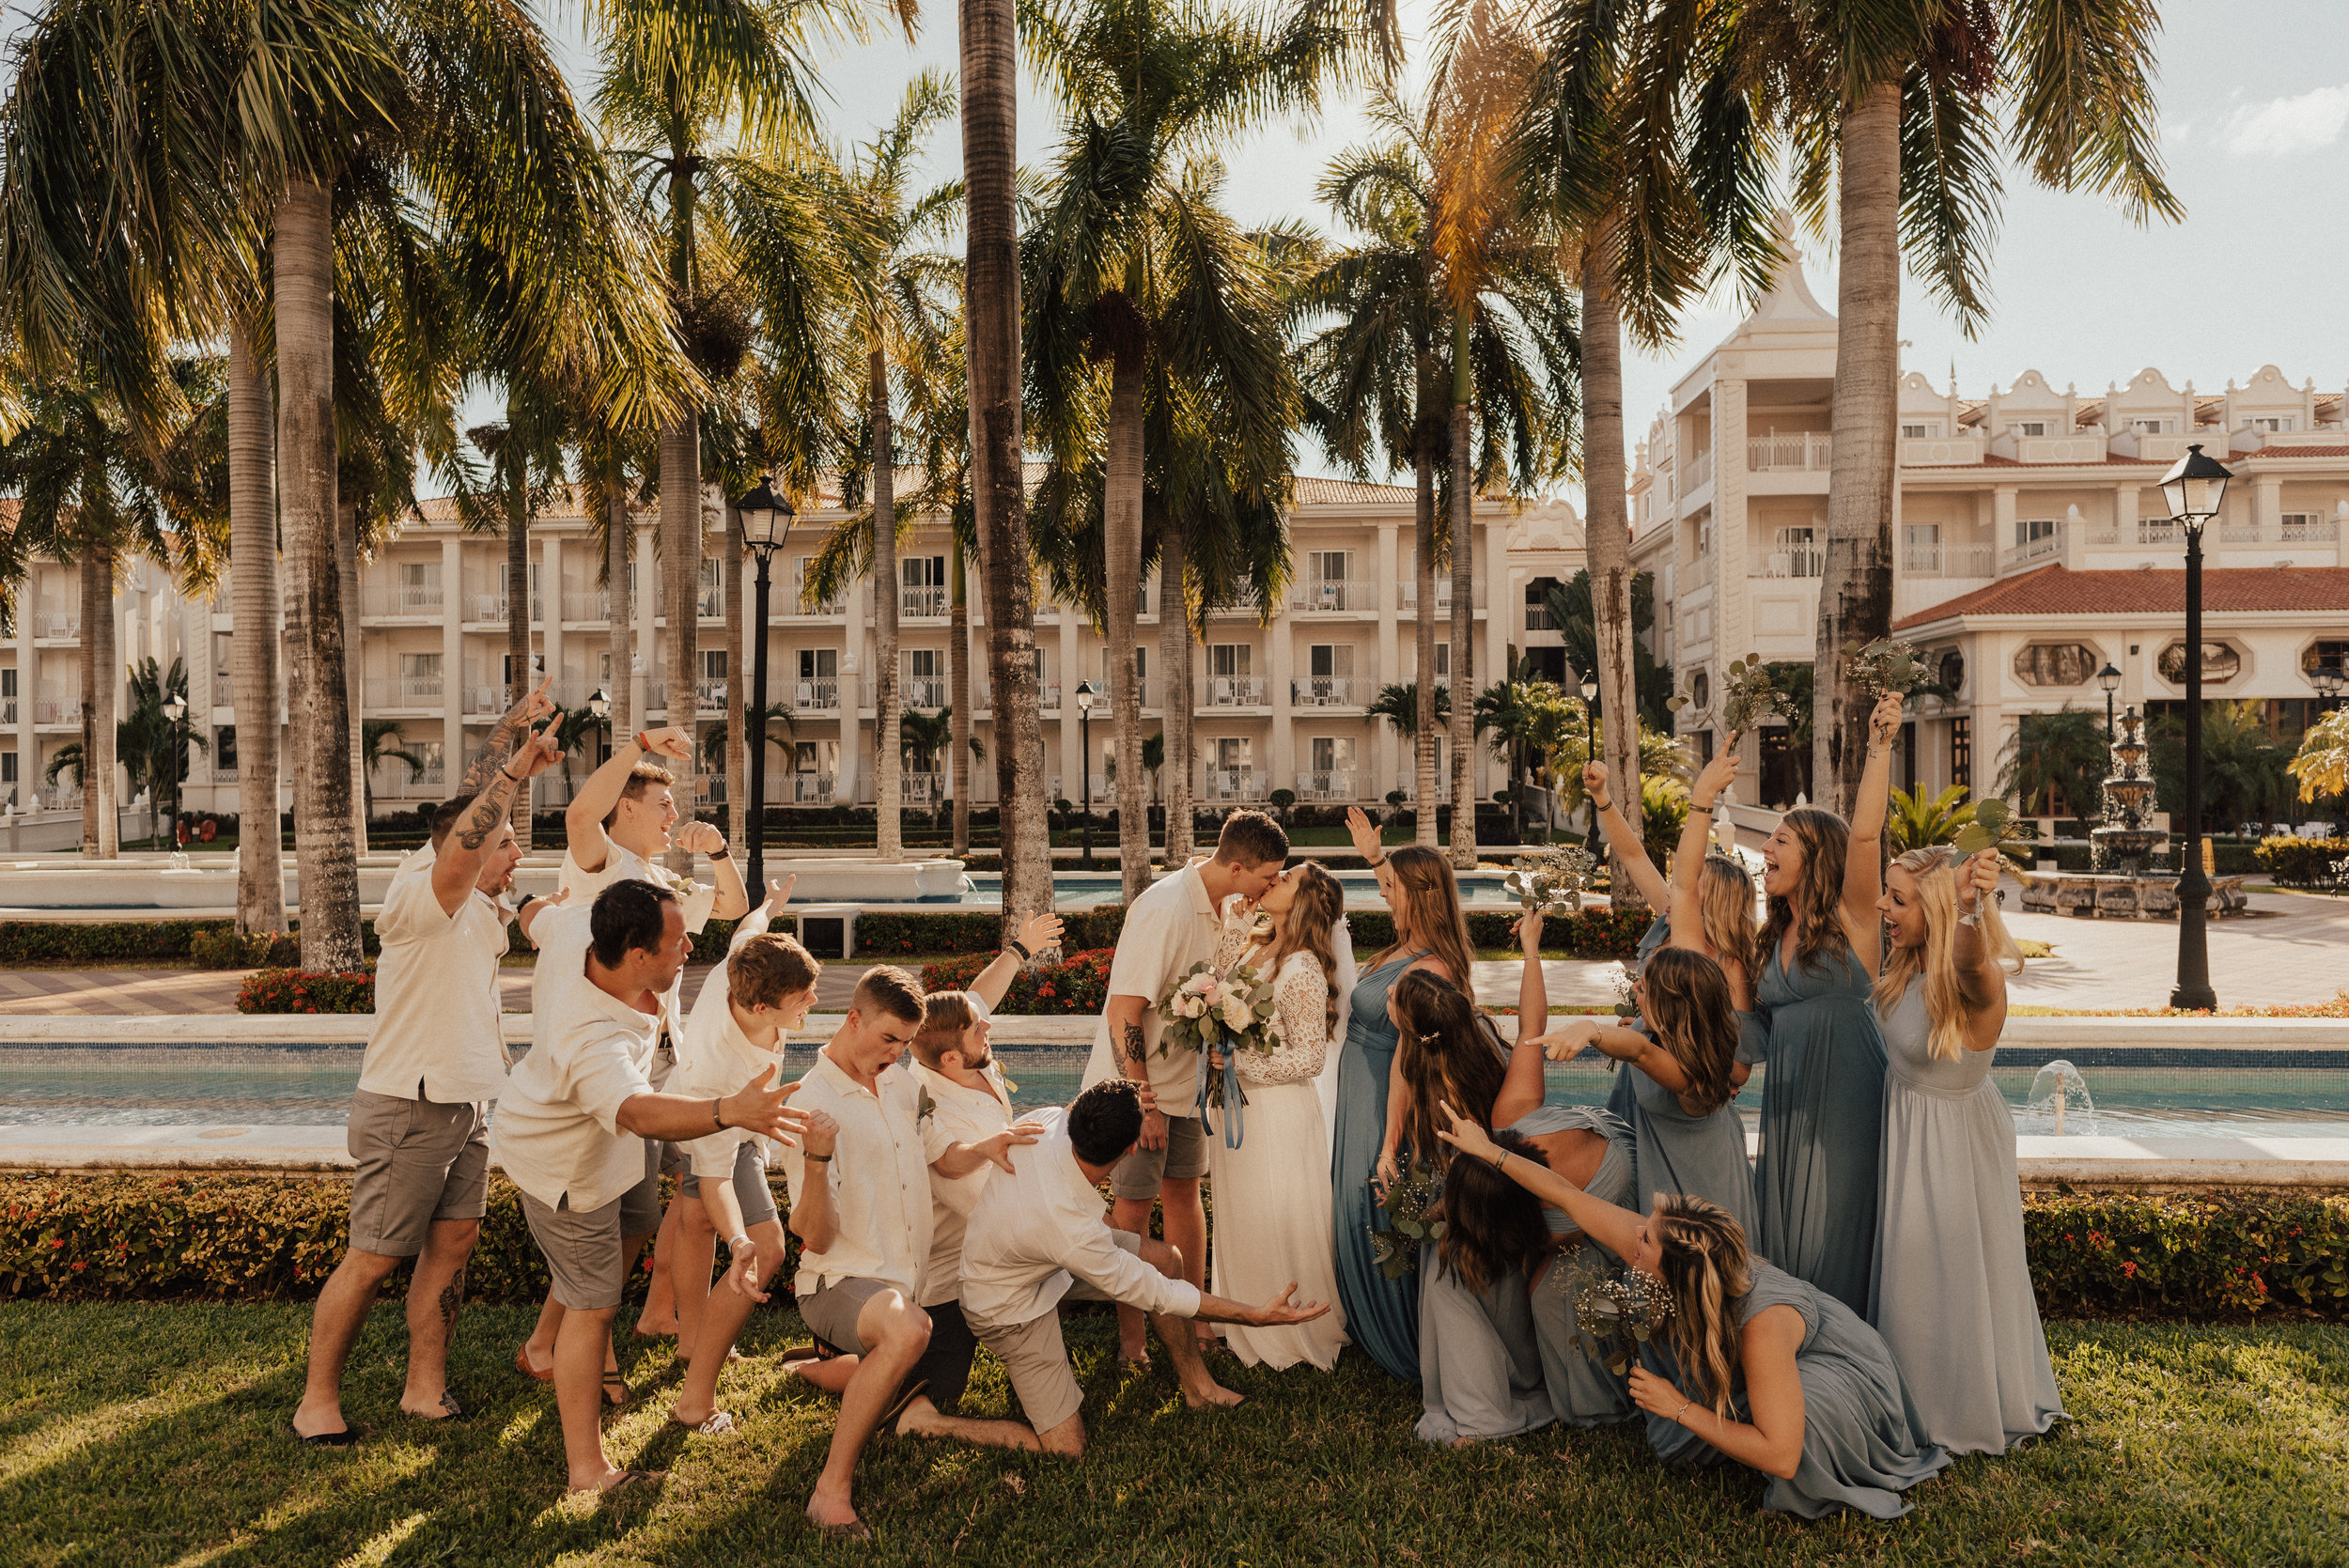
[(407, 599), (1941, 451), (2317, 530), (2158, 530), (1244, 606), (926, 603), (1408, 590), (1333, 596), (1699, 574), (586, 604), (396, 779), (925, 691), (1231, 783), (57, 704), (1234, 691), (1109, 699), (713, 604), (223, 690), (1809, 452), (56, 623), (811, 789), (710, 696), (1797, 561), (820, 694), (486, 697), (8, 710), (1697, 472), (2244, 532), (225, 775), (1537, 618), (1947, 560), (408, 692), (792, 607), (1409, 784), (1326, 784), (489, 609), (1330, 691), (916, 788), (2046, 548)]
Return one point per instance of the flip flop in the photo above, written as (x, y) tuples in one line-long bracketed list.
[(521, 1363), (613, 1380), (791, 1352), (628, 1478), (343, 1439), (855, 1529), (716, 1424), (897, 1407)]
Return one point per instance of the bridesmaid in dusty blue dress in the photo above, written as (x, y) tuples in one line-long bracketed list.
[(1774, 1375), (1430, 932), (1822, 1080), (1952, 1293)]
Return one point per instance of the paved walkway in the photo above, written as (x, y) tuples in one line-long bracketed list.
[(2292, 951)]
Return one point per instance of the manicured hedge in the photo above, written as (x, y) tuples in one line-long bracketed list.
[(2302, 863), (299, 991), (1078, 984), (130, 941), (2229, 1257)]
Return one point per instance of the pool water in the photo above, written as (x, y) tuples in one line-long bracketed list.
[(1085, 889), (182, 1088)]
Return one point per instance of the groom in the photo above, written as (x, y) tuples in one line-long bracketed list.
[(1173, 925)]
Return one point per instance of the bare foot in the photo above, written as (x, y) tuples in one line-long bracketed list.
[(647, 1329), (924, 1419), (837, 1518), (612, 1480), (1213, 1394), (444, 1408), (326, 1420)]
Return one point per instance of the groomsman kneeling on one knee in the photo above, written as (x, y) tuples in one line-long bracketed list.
[(1038, 1238), (572, 1130)]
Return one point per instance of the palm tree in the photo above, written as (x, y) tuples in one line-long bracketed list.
[(526, 469), (1398, 705), (1890, 112), (380, 741), (2055, 762)]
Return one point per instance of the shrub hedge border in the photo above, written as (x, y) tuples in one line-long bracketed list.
[(182, 1237)]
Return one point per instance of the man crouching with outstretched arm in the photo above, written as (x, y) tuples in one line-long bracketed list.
[(1038, 1235)]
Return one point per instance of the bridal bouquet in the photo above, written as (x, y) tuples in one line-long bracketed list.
[(1615, 1314), (1410, 1205), (1551, 880), (1746, 698), (1887, 665), (1231, 1012)]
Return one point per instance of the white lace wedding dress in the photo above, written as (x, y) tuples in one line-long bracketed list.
[(1271, 1195)]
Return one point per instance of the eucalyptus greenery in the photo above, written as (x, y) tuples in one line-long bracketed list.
[(1408, 1222)]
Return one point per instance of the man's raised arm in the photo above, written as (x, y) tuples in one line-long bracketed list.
[(507, 735)]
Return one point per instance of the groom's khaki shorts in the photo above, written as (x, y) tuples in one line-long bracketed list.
[(1143, 1171), (1038, 1358)]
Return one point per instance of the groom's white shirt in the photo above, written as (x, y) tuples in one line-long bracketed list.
[(1173, 925)]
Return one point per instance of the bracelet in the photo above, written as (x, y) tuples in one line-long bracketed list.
[(1704, 806), (820, 1160), (1376, 864), (717, 1116), (639, 741), (735, 1242), (1014, 945), (1502, 1161), (510, 777), (1682, 1411)]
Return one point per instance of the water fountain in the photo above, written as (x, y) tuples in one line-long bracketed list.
[(2059, 1105), (2125, 886)]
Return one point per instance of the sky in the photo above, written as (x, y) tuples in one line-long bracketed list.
[(2254, 134)]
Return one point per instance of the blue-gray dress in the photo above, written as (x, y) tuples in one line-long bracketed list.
[(1381, 1314), (1658, 933), (1821, 1124), (1862, 1445), (1952, 1295), (1582, 1392), (1674, 1152)]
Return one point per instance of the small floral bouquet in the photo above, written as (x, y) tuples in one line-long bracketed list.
[(1408, 1220), (1231, 1012), (1887, 665), (1551, 880), (1615, 1314), (1625, 1007), (1746, 698)]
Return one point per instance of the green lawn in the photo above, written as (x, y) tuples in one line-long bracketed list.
[(155, 1434)]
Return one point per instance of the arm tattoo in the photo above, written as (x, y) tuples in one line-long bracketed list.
[(489, 810), (494, 751), (1136, 1051)]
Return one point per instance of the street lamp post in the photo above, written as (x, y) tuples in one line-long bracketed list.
[(1590, 747), (766, 522), (2329, 680), (2110, 678), (2195, 487), (175, 714), (1087, 694)]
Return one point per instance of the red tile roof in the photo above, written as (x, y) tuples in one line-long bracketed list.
[(2272, 450), (2056, 590)]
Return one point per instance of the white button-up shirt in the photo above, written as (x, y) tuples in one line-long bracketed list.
[(717, 1059), (954, 1113), (1173, 925), (881, 1179), (1040, 1226), (557, 1132), (437, 1034), (622, 864)]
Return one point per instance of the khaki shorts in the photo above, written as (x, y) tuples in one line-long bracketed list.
[(751, 1191), (831, 1311), (1038, 1358), (1184, 1158), (419, 1161)]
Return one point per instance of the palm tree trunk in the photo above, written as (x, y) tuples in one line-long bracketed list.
[(346, 576), (1423, 659), (1463, 609), (1121, 533), (1856, 586), (1174, 694), (740, 722), (991, 295), (515, 474), (958, 692), (682, 494), (888, 709), (302, 253), (101, 824), (1606, 539), (621, 624), (254, 607)]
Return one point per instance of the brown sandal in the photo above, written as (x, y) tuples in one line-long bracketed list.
[(522, 1364)]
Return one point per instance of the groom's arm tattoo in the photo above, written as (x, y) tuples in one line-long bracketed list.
[(494, 751), (1137, 1053), (489, 810)]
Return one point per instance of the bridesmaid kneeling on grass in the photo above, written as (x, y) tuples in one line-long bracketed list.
[(1776, 1374), (1952, 1294)]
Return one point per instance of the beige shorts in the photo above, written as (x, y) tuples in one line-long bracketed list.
[(419, 1161), (1184, 1158), (1038, 1358)]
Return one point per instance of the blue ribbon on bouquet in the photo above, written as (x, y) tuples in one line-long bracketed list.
[(1234, 1098)]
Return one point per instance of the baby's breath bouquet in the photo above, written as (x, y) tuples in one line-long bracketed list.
[(1615, 1314), (1551, 880), (1885, 665), (1747, 696), (1625, 1004), (1408, 1221)]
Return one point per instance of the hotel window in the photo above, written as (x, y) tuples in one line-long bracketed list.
[(713, 663), (1962, 751), (1929, 430), (225, 749), (1333, 754), (2029, 531), (2030, 428), (819, 663), (2275, 423), (2154, 426), (1234, 753)]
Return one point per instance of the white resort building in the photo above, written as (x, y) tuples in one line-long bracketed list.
[(1276, 705), (2031, 550)]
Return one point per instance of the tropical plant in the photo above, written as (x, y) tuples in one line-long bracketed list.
[(380, 741), (1154, 763), (925, 736), (2321, 763), (2246, 771), (1397, 703), (573, 728), (1916, 820), (715, 738), (2055, 764), (1571, 613), (1531, 722)]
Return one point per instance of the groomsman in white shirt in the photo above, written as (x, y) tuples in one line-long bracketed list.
[(435, 1059), (1173, 925), (861, 1207), (1038, 1238), (572, 1130)]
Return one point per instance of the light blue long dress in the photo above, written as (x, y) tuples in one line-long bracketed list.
[(1381, 1314), (1674, 1152), (1660, 932), (1861, 1445), (1952, 1295), (1822, 1126), (1582, 1392)]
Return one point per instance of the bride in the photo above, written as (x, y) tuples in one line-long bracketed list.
[(1272, 1194)]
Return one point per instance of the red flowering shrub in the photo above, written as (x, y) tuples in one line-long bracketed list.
[(1080, 984), (299, 991)]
